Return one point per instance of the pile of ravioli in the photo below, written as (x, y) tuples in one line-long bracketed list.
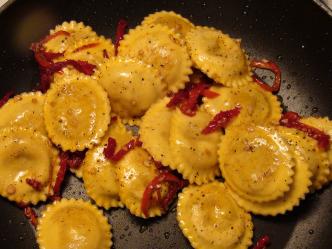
[(253, 166)]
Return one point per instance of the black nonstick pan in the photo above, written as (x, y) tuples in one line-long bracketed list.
[(295, 34)]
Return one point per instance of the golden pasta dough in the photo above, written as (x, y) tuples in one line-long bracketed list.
[(210, 218), (69, 224), (26, 155), (24, 110), (74, 32), (219, 56), (132, 86), (95, 50), (257, 105), (163, 49), (154, 132), (135, 171), (194, 154), (297, 191), (170, 19), (256, 162), (307, 148), (99, 173), (77, 113), (325, 125)]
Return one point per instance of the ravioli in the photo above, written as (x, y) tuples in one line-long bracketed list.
[(69, 224), (77, 33), (95, 50), (307, 148), (24, 110), (325, 125), (219, 56), (77, 113), (132, 86), (256, 162), (163, 49), (194, 154), (297, 191), (170, 19), (135, 171), (26, 155), (99, 173), (210, 218), (154, 131), (257, 105)]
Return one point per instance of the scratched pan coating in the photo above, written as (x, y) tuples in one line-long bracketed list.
[(296, 34)]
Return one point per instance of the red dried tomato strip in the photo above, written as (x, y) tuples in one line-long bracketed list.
[(271, 66), (120, 31), (52, 36), (50, 56), (125, 149), (61, 174), (263, 242), (36, 185), (87, 46), (109, 150), (105, 54), (6, 97), (187, 99), (36, 46), (292, 120), (221, 120), (160, 166), (210, 94), (48, 67), (31, 216), (177, 98), (75, 159), (45, 80), (175, 184), (189, 106), (81, 66), (113, 119), (42, 57), (47, 72)]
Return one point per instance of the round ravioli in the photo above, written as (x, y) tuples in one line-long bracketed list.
[(25, 110), (297, 191), (325, 125), (99, 173), (307, 148), (132, 86), (163, 49), (74, 32), (195, 155), (77, 113), (26, 156), (95, 50), (135, 171), (170, 19), (210, 218), (219, 56), (73, 224), (154, 131), (256, 163), (257, 105)]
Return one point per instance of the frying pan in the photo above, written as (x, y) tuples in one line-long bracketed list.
[(295, 34)]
